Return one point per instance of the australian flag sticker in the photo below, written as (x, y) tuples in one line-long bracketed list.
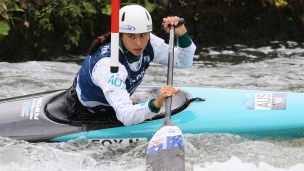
[(264, 101), (156, 145), (165, 139)]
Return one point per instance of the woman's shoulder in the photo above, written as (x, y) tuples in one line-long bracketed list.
[(155, 40), (102, 51), (153, 36)]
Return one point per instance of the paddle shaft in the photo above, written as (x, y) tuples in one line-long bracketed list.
[(170, 72), (170, 76)]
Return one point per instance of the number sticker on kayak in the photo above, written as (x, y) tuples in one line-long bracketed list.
[(264, 101)]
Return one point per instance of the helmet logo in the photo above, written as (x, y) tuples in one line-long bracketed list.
[(149, 27), (127, 28)]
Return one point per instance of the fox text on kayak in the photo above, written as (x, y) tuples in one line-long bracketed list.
[(125, 141)]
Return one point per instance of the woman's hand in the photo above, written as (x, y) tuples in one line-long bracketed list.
[(173, 20), (163, 93)]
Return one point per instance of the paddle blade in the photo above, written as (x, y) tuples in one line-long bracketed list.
[(166, 150)]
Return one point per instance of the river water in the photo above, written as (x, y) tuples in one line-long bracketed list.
[(276, 65)]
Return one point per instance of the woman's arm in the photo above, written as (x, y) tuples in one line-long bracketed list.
[(183, 53), (114, 89)]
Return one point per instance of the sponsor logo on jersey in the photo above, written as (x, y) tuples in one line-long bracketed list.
[(104, 49)]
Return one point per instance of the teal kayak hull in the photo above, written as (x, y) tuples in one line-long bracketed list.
[(254, 113)]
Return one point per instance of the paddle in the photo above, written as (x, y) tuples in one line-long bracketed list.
[(114, 35), (166, 147)]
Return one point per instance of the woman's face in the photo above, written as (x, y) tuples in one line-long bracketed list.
[(135, 43)]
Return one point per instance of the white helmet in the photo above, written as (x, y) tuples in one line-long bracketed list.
[(134, 19)]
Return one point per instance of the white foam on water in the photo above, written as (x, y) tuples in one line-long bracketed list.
[(204, 152), (235, 164), (227, 152), (18, 79), (265, 50), (212, 152), (227, 52), (292, 43)]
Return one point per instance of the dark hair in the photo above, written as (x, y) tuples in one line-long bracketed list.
[(101, 40)]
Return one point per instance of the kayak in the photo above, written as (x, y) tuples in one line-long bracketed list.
[(195, 110)]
